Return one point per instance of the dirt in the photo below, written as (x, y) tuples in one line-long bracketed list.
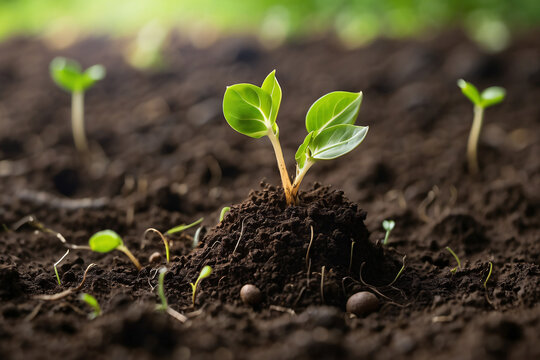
[(164, 155)]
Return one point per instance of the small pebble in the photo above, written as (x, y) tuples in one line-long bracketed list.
[(362, 303), (250, 294), (155, 258)]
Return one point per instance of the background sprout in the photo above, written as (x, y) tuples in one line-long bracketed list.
[(56, 264), (183, 227), (453, 271), (107, 240), (224, 211), (489, 97), (205, 272), (93, 303), (252, 111), (388, 226), (68, 75), (161, 290)]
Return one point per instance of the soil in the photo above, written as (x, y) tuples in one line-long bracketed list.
[(163, 156)]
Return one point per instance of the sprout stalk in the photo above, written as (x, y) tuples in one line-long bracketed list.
[(77, 121), (472, 145), (131, 257), (287, 187)]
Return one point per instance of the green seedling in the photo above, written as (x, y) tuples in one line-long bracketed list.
[(163, 238), (196, 238), (56, 264), (224, 211), (68, 75), (252, 110), (161, 290), (205, 272), (453, 271), (388, 226), (93, 303), (488, 275), (107, 240), (489, 97), (183, 227)]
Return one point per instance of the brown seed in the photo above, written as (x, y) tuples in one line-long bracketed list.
[(362, 303), (250, 294), (155, 258)]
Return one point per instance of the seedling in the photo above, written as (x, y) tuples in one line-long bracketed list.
[(453, 271), (183, 227), (252, 111), (56, 264), (68, 75), (489, 97), (161, 289), (224, 211), (196, 238), (107, 240), (163, 238), (93, 303), (205, 272), (388, 226), (488, 275)]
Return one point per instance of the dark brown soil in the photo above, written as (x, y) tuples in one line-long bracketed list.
[(165, 156)]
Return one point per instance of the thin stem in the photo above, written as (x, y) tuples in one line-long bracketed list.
[(131, 257), (386, 237), (282, 168), (77, 121), (472, 145), (299, 177)]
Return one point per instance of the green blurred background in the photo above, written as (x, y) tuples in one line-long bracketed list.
[(355, 22)]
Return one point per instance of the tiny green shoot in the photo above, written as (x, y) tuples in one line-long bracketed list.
[(224, 211), (107, 240), (196, 238), (161, 290), (453, 271), (205, 272), (252, 110), (489, 97), (68, 75), (93, 303), (56, 264), (488, 275), (163, 238), (388, 226), (183, 227)]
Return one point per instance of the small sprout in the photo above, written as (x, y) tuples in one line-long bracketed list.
[(68, 75), (205, 272), (161, 290), (250, 295), (196, 238), (489, 275), (154, 258), (56, 264), (388, 226), (165, 243), (489, 97), (183, 227), (93, 303), (252, 110), (107, 240), (453, 271), (362, 303), (224, 211), (399, 272), (351, 256)]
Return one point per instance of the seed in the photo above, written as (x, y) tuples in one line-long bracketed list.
[(250, 295), (155, 258), (362, 303)]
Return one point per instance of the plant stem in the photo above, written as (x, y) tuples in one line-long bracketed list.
[(131, 257), (282, 168), (386, 237), (299, 177), (77, 121), (472, 145)]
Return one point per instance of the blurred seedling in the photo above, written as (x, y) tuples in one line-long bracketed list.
[(183, 227), (197, 237), (56, 264), (388, 226), (205, 272), (93, 303), (488, 275), (453, 270), (224, 211), (107, 240), (489, 97), (164, 306), (68, 75), (252, 110)]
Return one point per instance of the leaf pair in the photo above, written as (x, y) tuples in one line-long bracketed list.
[(107, 240), (489, 97), (68, 74)]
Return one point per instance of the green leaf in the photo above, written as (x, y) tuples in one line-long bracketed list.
[(93, 303), (205, 272), (247, 109), (492, 96), (388, 225), (183, 227), (272, 88), (470, 91), (303, 153), (336, 141), (105, 241), (67, 74), (335, 108)]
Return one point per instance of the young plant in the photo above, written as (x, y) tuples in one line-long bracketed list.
[(205, 272), (107, 240), (56, 264), (453, 270), (489, 97), (388, 226), (224, 211), (252, 111), (93, 303), (161, 290), (68, 75), (183, 227)]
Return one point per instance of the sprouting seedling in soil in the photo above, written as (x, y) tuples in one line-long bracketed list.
[(163, 238), (351, 256), (488, 275), (56, 264), (93, 303), (161, 289), (196, 238), (183, 227), (107, 240), (252, 111), (489, 97), (224, 211), (453, 271), (205, 272), (388, 226), (68, 75)]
